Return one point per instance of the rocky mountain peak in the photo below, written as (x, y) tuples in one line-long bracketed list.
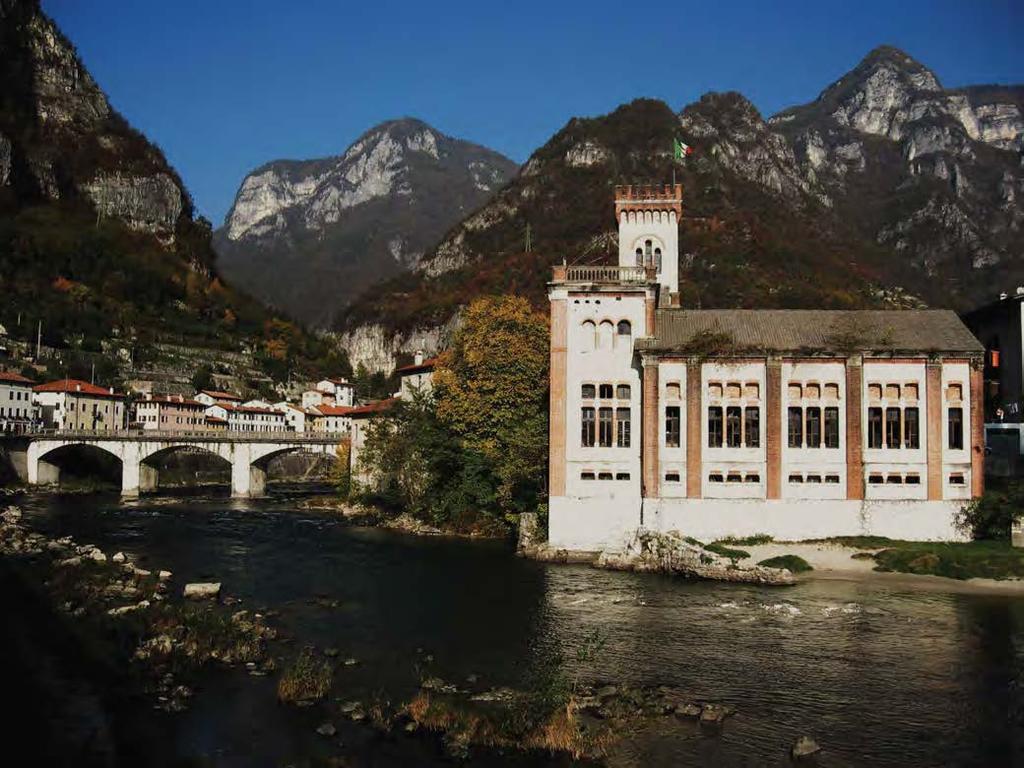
[(385, 199)]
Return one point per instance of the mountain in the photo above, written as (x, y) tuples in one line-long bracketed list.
[(885, 191), (307, 236), (98, 237)]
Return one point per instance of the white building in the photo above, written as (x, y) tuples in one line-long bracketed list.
[(71, 404), (170, 413), (210, 396), (416, 377), (339, 391), (715, 423), (333, 418), (247, 418), (17, 411)]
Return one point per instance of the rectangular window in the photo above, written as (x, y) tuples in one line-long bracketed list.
[(622, 475), (892, 428), (831, 478), (796, 427), (604, 426), (588, 428), (604, 475), (586, 476), (622, 420), (832, 427), (672, 477), (814, 427), (733, 427), (672, 431), (955, 429), (715, 426), (588, 391), (606, 391), (911, 428), (752, 427), (622, 392), (796, 478), (874, 427)]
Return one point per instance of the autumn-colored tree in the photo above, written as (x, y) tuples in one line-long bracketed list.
[(492, 390)]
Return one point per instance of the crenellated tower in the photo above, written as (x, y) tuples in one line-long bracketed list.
[(648, 216)]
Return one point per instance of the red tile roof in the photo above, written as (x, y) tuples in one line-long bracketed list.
[(172, 400), (14, 378), (232, 408), (216, 395), (371, 409), (216, 420), (75, 387), (409, 370), (334, 410)]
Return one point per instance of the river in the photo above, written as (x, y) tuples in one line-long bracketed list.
[(878, 675)]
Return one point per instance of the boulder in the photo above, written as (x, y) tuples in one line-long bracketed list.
[(118, 557), (202, 590), (164, 575), (805, 747), (671, 552), (327, 729), (714, 714), (688, 709)]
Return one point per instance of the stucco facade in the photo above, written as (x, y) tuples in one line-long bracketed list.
[(738, 422)]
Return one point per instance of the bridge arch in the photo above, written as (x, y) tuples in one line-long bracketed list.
[(261, 458), (153, 460), (49, 461)]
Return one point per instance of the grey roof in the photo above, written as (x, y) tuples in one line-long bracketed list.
[(810, 331)]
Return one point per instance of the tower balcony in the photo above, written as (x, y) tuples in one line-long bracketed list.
[(609, 274)]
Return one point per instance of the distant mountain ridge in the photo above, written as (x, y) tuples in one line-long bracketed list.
[(308, 235), (887, 190)]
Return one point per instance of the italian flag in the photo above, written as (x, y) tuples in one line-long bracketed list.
[(680, 150)]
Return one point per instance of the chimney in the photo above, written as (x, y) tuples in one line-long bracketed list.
[(78, 387), (418, 357), (1020, 290), (111, 390)]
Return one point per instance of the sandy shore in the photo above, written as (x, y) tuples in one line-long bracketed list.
[(835, 561)]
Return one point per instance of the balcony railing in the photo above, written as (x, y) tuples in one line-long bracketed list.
[(605, 274)]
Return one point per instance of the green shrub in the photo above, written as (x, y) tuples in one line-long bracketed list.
[(979, 559), (990, 516), (794, 563), (747, 541), (720, 549)]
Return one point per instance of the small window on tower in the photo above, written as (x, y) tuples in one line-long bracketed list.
[(657, 259), (639, 257), (625, 329)]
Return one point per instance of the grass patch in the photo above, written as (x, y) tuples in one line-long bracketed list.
[(794, 563), (719, 548), (856, 542), (976, 559), (306, 679), (747, 541)]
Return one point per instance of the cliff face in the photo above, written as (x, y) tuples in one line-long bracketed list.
[(886, 190), (307, 236), (60, 139)]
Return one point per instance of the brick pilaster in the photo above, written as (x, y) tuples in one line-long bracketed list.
[(933, 408), (557, 424), (854, 429), (652, 417), (977, 431), (650, 307), (773, 427), (694, 442)]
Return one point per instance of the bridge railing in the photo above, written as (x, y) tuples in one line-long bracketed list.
[(197, 434)]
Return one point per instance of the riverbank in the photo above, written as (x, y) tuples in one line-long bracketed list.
[(375, 517)]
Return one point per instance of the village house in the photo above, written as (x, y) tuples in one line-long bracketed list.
[(339, 391), (210, 396), (17, 411), (71, 404), (416, 377), (360, 418), (169, 413), (247, 418), (793, 423), (332, 418)]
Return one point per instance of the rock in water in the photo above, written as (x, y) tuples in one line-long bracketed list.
[(805, 747), (327, 729), (202, 590)]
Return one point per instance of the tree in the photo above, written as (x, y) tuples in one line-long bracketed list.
[(492, 390), (203, 377)]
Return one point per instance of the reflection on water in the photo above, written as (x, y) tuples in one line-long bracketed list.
[(877, 675)]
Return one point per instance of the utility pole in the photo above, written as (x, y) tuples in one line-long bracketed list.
[(39, 340)]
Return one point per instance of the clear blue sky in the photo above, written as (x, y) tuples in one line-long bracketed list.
[(224, 86)]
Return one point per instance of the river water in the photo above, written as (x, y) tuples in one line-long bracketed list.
[(878, 675)]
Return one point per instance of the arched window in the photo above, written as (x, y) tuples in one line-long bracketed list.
[(657, 259), (605, 335), (588, 335), (639, 257), (625, 329), (647, 252)]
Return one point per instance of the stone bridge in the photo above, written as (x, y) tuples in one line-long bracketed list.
[(140, 452)]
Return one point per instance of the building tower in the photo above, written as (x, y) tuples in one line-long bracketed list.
[(648, 217)]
